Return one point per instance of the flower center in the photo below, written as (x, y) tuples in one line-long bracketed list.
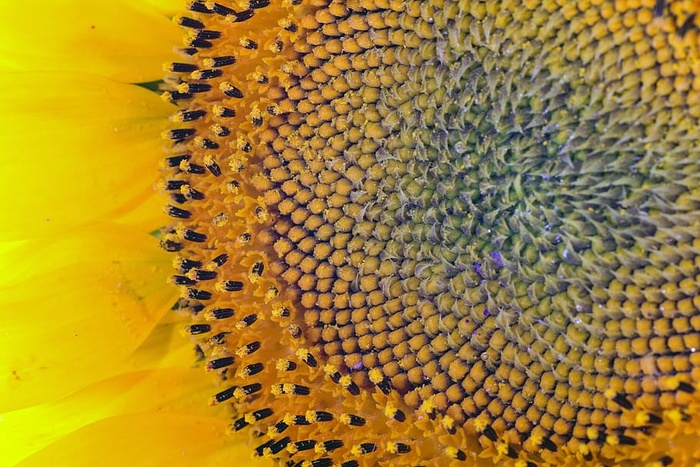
[(484, 216)]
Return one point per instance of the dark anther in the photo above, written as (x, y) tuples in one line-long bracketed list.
[(659, 8), (402, 448), (186, 22), (189, 115), (224, 112), (350, 464), (322, 462), (627, 440), (335, 376), (289, 365), (532, 464), (193, 236), (182, 67), (204, 275), (172, 185), (280, 426), (233, 286), (687, 24), (588, 456), (175, 161), (666, 460), (549, 445), (239, 424), (259, 451), (250, 348), (310, 360), (208, 144), (356, 420), (256, 121), (199, 329), (262, 413), (399, 416), (214, 168), (249, 44), (622, 401), (196, 294), (183, 280), (460, 455), (384, 386), (177, 212), (300, 390), (653, 418), (207, 74), (194, 194), (194, 169), (353, 389), (256, 4), (177, 96), (279, 445), (179, 198), (232, 91), (490, 433), (251, 388), (686, 387), (220, 131), (258, 269), (225, 395), (291, 27), (253, 369), (222, 10), (305, 444), (249, 319), (366, 448), (219, 339), (332, 444), (181, 133), (246, 147), (294, 331), (225, 60), (322, 416), (222, 313), (220, 260), (200, 43), (195, 88), (512, 453), (187, 264), (195, 308), (188, 50), (171, 246), (220, 363), (207, 34), (199, 7), (242, 15)]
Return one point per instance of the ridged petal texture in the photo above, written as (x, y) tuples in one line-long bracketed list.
[(93, 366)]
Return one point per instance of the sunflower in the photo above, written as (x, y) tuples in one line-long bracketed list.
[(435, 233)]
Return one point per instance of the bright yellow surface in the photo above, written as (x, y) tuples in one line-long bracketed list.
[(124, 40), (74, 145)]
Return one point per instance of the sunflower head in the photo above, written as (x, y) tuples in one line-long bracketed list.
[(434, 232)]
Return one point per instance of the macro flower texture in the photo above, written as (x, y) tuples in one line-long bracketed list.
[(345, 233)]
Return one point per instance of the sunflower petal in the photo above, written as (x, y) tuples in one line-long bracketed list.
[(146, 440), (76, 148), (74, 308), (124, 40)]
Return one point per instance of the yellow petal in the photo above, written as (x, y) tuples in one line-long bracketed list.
[(76, 147), (74, 308), (173, 390), (169, 7), (148, 440), (124, 40)]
